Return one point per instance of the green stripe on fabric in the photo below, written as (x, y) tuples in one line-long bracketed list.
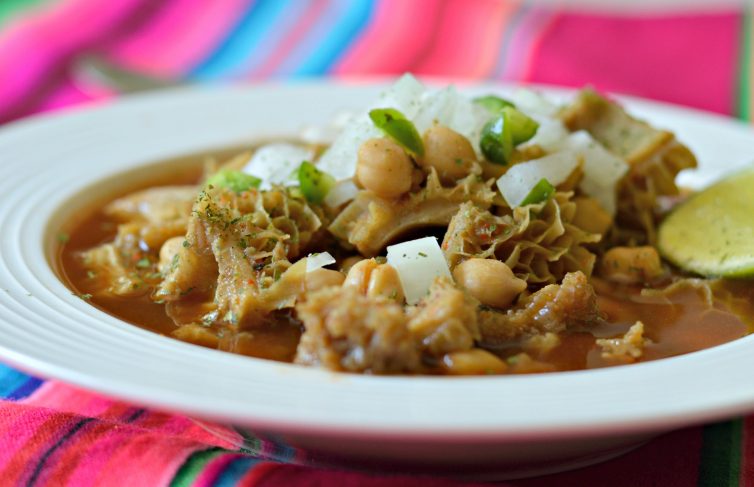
[(194, 465), (720, 462), (744, 67), (9, 8)]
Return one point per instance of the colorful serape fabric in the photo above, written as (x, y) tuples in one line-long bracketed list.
[(55, 434)]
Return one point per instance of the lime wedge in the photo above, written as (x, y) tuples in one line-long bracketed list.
[(712, 233)]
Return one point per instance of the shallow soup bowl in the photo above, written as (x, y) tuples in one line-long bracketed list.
[(55, 168)]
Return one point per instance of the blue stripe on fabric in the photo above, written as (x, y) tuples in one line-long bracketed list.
[(326, 22), (10, 380), (249, 35), (26, 390), (335, 34), (234, 471), (275, 37)]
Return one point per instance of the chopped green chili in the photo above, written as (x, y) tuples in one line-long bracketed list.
[(496, 142), (314, 184), (396, 126), (493, 103), (539, 193), (236, 181), (523, 127)]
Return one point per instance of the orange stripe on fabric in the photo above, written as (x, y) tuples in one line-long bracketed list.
[(468, 39), (399, 33)]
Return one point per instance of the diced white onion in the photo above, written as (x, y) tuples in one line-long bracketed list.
[(277, 163), (520, 179), (602, 168), (418, 262), (424, 108), (549, 135), (449, 108), (318, 260), (342, 192), (533, 103), (326, 134), (339, 160), (404, 95)]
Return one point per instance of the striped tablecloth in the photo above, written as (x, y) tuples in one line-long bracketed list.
[(55, 434)]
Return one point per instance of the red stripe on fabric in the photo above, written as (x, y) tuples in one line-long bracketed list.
[(143, 459), (179, 38), (468, 39), (98, 454), (671, 459), (68, 399), (685, 59), (18, 425), (182, 427), (399, 32), (298, 31), (255, 477), (20, 467), (747, 453), (278, 475), (74, 455)]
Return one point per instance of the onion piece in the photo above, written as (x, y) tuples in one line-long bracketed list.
[(342, 192), (516, 184), (602, 168), (457, 112), (534, 103), (418, 262), (277, 164), (318, 260)]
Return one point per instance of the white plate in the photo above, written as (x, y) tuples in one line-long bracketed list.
[(53, 166)]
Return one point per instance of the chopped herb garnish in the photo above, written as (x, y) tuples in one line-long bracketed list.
[(143, 263), (396, 126), (186, 244), (422, 254), (63, 237), (91, 274), (85, 297)]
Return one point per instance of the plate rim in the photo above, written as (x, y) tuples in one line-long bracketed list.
[(607, 425)]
